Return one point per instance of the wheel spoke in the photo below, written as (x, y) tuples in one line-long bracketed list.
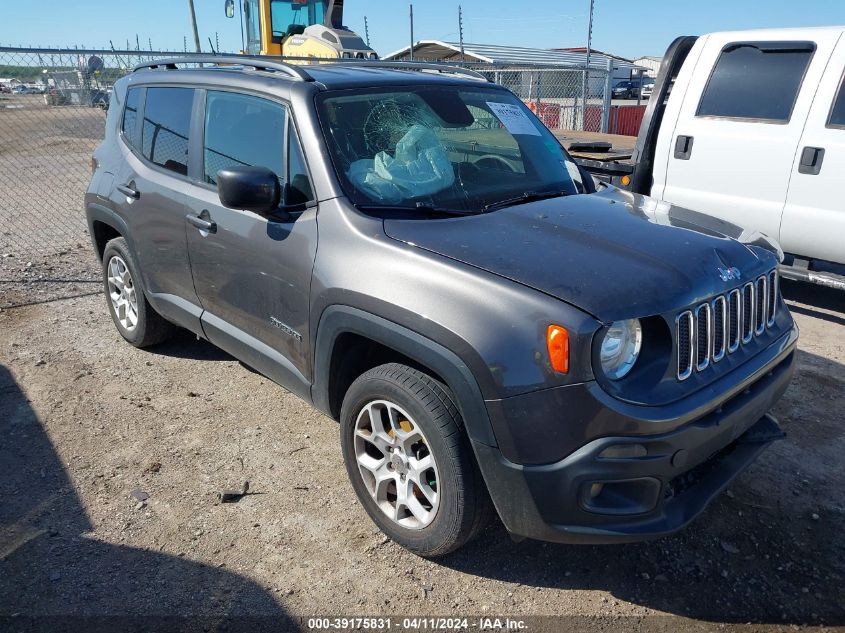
[(427, 491), (416, 508), (131, 314), (379, 438), (419, 466), (116, 281), (371, 463)]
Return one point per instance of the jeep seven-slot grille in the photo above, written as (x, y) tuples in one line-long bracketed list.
[(709, 331)]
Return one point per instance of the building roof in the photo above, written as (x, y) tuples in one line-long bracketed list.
[(593, 51), (496, 54)]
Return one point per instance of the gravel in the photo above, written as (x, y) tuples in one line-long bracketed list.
[(183, 422)]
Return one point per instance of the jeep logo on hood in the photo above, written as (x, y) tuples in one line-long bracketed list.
[(727, 274)]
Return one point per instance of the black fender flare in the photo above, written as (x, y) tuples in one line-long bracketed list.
[(341, 319), (98, 213)]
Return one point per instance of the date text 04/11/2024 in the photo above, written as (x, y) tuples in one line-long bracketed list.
[(416, 624)]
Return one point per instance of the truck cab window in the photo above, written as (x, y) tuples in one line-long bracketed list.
[(837, 114), (289, 12), (757, 81)]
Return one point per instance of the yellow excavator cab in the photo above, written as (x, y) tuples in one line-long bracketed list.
[(299, 28)]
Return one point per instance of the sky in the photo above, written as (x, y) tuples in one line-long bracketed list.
[(629, 28)]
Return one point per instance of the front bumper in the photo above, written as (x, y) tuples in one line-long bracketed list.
[(651, 494)]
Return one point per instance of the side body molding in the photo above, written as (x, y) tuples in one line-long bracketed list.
[(339, 319)]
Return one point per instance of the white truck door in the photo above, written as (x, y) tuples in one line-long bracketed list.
[(814, 217), (743, 112)]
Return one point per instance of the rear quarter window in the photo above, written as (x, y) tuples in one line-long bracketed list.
[(756, 80), (130, 116)]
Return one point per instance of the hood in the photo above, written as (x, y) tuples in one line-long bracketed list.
[(612, 254)]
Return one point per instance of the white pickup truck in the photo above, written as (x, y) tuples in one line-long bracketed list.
[(749, 126)]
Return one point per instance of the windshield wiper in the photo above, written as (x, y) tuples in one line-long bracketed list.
[(528, 196), (420, 206)]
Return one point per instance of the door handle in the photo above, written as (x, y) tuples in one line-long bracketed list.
[(811, 160), (129, 191), (202, 224), (683, 147)]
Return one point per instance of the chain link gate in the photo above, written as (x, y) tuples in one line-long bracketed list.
[(52, 117)]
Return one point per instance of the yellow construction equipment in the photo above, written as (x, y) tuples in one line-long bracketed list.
[(299, 28)]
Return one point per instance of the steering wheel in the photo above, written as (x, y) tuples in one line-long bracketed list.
[(491, 161)]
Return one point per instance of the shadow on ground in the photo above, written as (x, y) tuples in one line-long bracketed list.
[(771, 551), (56, 576), (187, 345), (815, 300)]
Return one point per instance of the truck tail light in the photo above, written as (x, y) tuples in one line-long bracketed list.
[(557, 343)]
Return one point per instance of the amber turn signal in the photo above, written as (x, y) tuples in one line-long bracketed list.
[(626, 180), (557, 342)]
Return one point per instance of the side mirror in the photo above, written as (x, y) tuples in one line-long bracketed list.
[(230, 8), (249, 188)]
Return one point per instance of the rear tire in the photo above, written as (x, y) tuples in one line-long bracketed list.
[(420, 456), (134, 317)]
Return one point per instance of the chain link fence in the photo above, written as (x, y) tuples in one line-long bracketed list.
[(52, 115), (563, 97)]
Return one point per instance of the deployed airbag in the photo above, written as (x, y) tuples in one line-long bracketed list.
[(420, 167)]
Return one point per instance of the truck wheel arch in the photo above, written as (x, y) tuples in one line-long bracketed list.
[(338, 321)]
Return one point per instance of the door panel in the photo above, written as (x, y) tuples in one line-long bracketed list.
[(151, 200), (746, 122), (252, 273), (814, 217)]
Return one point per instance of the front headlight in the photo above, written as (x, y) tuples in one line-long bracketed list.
[(620, 348)]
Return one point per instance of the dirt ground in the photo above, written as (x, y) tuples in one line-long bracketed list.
[(111, 460)]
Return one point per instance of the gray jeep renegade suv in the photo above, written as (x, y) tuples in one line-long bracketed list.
[(410, 250)]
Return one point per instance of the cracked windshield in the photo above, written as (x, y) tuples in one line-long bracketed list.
[(443, 148)]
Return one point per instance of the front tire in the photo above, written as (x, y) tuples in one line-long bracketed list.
[(410, 462), (134, 317)]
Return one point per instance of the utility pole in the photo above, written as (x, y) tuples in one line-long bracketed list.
[(242, 25), (585, 84), (412, 32), (461, 29), (194, 25), (367, 30)]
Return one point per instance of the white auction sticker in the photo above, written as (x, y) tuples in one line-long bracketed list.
[(513, 118)]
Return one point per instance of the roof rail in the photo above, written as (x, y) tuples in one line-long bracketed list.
[(442, 68), (292, 71)]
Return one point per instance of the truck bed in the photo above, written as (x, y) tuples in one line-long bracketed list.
[(622, 146)]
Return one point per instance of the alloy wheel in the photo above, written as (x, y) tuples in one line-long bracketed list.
[(122, 293), (396, 464)]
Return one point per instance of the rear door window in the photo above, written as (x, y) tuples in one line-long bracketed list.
[(242, 130), (167, 122), (837, 114), (756, 80)]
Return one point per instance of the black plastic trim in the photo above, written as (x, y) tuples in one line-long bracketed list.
[(341, 319)]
